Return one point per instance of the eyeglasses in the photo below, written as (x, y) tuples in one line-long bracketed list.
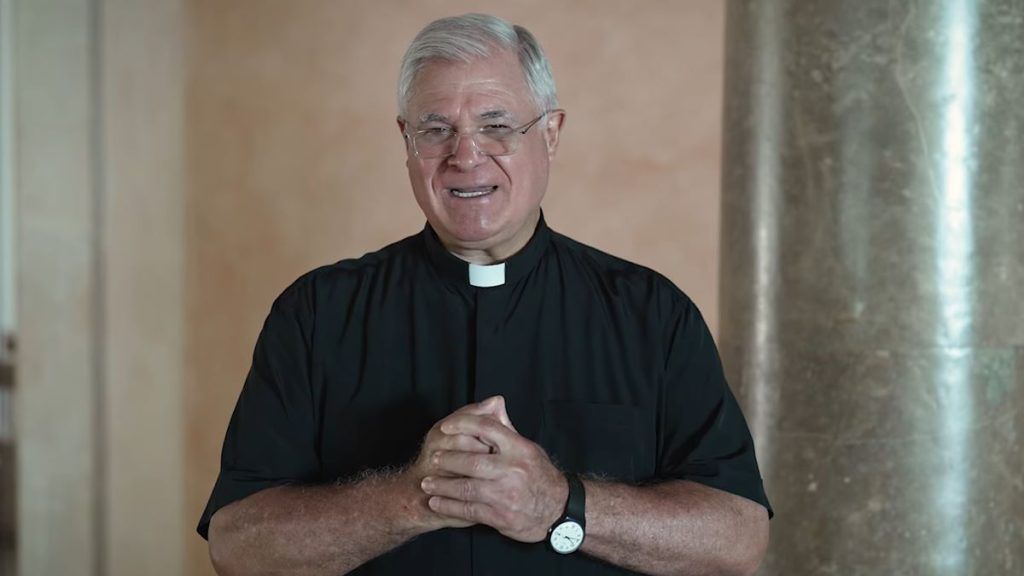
[(493, 139)]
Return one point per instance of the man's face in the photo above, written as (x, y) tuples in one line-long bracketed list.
[(473, 201)]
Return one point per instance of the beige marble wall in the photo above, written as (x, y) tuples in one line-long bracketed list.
[(294, 159), (143, 248)]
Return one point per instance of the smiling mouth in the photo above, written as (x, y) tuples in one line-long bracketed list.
[(475, 192)]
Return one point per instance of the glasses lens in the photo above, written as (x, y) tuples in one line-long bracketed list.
[(497, 140), (432, 143), (493, 148), (441, 143)]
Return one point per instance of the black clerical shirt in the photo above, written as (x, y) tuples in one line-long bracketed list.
[(606, 364)]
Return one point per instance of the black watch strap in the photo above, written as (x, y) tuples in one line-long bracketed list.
[(576, 506)]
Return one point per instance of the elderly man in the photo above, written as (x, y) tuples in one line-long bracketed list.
[(487, 396)]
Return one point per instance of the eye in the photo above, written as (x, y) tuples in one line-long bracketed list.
[(436, 131), (434, 136), (496, 130)]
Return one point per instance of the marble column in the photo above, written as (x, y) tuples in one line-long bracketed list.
[(872, 312)]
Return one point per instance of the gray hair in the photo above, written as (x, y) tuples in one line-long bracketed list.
[(470, 36)]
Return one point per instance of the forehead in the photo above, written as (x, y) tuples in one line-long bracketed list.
[(482, 85)]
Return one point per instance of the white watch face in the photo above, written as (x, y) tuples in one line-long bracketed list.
[(566, 537)]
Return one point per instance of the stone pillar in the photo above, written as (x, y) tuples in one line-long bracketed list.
[(872, 315)]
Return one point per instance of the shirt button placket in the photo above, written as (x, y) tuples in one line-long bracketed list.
[(486, 383), (488, 342)]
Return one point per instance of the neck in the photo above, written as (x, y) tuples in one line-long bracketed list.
[(498, 253)]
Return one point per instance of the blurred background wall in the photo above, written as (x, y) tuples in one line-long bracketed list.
[(178, 162), (98, 188), (169, 166)]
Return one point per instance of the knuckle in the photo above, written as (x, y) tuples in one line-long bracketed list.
[(518, 476), (516, 501), (466, 489), (480, 465), (436, 429)]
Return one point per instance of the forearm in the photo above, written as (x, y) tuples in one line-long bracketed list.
[(677, 527), (313, 530)]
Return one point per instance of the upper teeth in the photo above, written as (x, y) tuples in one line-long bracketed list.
[(471, 192)]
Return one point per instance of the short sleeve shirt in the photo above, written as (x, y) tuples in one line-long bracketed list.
[(604, 363)]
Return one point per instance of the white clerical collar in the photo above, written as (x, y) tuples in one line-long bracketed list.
[(486, 276)]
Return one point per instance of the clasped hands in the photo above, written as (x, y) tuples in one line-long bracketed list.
[(475, 468)]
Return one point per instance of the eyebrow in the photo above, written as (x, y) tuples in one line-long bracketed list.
[(433, 117), (492, 114), (488, 115)]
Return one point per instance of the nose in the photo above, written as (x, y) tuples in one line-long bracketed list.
[(466, 154)]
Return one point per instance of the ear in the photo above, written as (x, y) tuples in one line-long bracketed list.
[(552, 130), (401, 130), (401, 126)]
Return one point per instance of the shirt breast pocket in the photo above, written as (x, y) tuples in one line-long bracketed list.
[(613, 441)]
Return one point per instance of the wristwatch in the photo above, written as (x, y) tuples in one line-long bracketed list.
[(566, 535)]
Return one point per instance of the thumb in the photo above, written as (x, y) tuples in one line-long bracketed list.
[(495, 405)]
